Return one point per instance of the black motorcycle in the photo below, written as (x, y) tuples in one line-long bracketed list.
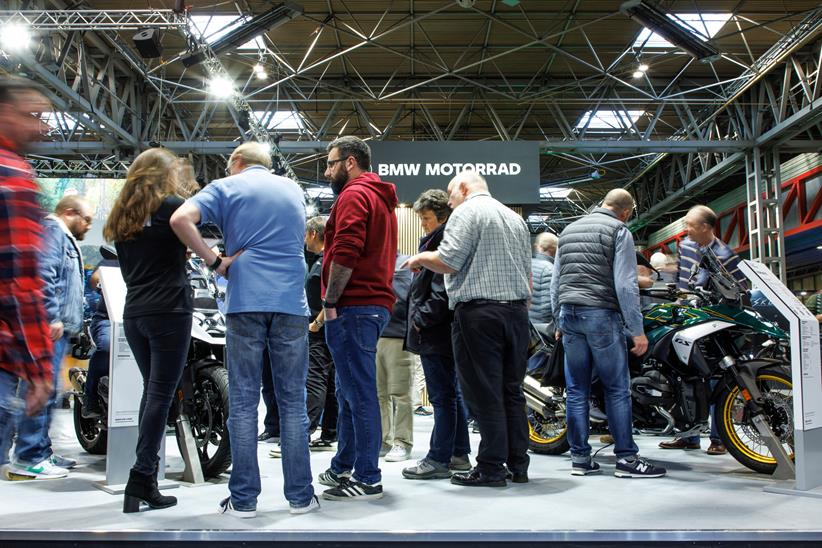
[(203, 392)]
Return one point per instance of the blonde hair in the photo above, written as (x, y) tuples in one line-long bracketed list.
[(252, 154), (154, 175), (546, 241)]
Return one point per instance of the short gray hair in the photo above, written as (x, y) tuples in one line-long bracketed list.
[(472, 179), (349, 145), (252, 154), (316, 225), (619, 199), (435, 201), (704, 214), (546, 241)]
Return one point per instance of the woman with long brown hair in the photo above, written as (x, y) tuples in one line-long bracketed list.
[(158, 309)]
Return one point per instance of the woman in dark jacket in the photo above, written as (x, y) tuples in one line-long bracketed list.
[(429, 335), (158, 308)]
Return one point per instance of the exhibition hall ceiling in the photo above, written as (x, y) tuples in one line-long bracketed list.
[(561, 72)]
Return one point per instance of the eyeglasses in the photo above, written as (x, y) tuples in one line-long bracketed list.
[(87, 218), (330, 163)]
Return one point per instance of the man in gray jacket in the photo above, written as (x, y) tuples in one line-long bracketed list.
[(61, 267), (542, 269), (595, 296)]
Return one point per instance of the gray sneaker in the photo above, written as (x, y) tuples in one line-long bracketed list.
[(427, 469), (460, 463)]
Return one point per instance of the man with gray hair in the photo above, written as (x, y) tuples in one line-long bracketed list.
[(262, 217), (595, 295), (486, 258), (542, 269)]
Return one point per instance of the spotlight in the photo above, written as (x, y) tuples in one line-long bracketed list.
[(638, 74), (261, 74), (14, 37), (259, 68), (276, 16), (221, 87), (652, 18), (642, 68)]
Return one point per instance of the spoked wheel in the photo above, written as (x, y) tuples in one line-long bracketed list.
[(208, 420), (548, 435), (737, 430), (91, 433)]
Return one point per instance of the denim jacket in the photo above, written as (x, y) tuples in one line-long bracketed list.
[(61, 267)]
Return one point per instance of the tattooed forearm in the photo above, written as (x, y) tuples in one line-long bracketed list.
[(338, 277)]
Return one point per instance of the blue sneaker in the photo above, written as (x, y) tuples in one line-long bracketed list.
[(585, 468), (62, 462)]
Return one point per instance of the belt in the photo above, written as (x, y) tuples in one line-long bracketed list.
[(490, 301)]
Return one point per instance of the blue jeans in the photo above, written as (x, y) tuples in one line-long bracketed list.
[(11, 407), (352, 339), (594, 342), (286, 338), (450, 434), (99, 362), (33, 441), (714, 435)]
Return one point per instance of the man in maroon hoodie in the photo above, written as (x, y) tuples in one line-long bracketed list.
[(358, 266)]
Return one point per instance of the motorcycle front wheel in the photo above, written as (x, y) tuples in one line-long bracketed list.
[(208, 420), (737, 430), (90, 433)]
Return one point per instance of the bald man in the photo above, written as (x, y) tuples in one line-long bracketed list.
[(595, 295)]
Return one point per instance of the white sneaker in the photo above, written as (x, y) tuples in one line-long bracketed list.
[(227, 508), (276, 453), (398, 453), (41, 471), (310, 507)]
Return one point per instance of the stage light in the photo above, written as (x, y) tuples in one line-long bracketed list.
[(652, 18), (643, 68), (14, 37), (638, 74), (276, 16), (221, 87), (261, 74)]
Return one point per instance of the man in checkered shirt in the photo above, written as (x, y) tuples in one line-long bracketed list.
[(25, 348), (485, 255)]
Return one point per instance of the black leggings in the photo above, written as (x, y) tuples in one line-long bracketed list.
[(160, 346)]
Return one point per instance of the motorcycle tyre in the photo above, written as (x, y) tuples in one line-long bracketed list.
[(546, 446), (220, 460), (735, 446), (96, 446)]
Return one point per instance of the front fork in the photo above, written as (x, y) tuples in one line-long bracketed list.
[(745, 378)]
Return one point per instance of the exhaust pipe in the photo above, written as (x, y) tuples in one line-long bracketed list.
[(537, 397)]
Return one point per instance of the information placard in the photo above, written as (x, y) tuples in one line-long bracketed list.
[(806, 366), (125, 383)]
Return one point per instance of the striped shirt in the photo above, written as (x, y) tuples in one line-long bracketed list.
[(489, 246), (690, 255)]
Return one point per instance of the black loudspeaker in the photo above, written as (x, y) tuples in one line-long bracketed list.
[(148, 43)]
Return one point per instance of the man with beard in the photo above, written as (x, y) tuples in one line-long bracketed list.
[(358, 266), (25, 347), (61, 267)]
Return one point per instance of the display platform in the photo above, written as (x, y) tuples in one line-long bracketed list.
[(704, 501)]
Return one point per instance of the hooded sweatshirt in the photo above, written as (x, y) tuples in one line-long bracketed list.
[(361, 234)]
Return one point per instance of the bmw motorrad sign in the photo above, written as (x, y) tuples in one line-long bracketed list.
[(510, 167)]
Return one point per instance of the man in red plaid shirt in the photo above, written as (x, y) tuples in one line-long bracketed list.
[(25, 347)]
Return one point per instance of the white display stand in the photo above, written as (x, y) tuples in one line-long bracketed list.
[(125, 389), (806, 371)]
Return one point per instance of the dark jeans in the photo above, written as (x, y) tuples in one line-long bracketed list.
[(160, 346), (321, 400), (450, 434), (271, 421), (594, 342), (491, 351), (352, 338), (99, 362)]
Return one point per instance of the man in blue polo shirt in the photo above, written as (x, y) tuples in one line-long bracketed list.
[(262, 217)]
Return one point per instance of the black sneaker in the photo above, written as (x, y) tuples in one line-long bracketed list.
[(638, 467), (354, 490), (268, 438), (585, 468), (331, 479)]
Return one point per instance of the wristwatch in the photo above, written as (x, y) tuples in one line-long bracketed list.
[(327, 304)]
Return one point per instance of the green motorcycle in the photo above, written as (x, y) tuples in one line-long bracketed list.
[(706, 348)]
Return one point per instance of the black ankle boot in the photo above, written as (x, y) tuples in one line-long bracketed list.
[(141, 487)]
